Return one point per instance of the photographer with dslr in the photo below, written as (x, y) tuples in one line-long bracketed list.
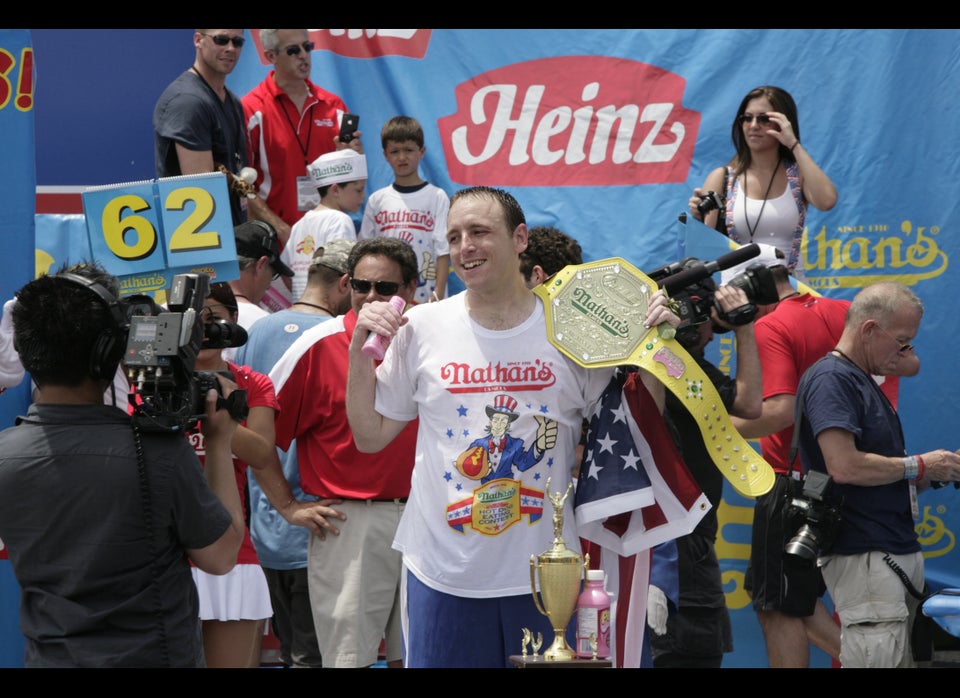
[(762, 194), (699, 632), (101, 520), (791, 335), (849, 430)]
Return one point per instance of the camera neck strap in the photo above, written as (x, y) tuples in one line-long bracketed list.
[(795, 439), (797, 420)]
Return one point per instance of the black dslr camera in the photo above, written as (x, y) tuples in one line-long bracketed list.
[(821, 519), (710, 201), (162, 348)]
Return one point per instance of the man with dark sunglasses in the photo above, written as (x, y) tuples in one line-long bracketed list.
[(352, 611), (198, 122), (290, 123)]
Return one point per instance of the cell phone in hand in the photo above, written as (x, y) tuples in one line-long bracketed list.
[(348, 127)]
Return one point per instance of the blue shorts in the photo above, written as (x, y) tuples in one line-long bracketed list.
[(445, 631)]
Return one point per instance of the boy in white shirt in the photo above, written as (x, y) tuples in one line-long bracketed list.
[(341, 180), (411, 209)]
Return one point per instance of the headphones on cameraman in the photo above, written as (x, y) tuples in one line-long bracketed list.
[(110, 345)]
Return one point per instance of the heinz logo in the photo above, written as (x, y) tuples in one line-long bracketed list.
[(364, 43), (570, 121)]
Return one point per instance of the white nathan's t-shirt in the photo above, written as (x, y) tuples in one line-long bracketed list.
[(314, 230), (418, 216), (466, 531)]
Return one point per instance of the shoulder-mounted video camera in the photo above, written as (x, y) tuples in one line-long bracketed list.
[(697, 299), (162, 348)]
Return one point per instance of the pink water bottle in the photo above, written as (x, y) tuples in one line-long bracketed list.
[(593, 617), (376, 344)]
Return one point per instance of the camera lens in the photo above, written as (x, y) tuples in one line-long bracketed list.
[(806, 544), (221, 334)]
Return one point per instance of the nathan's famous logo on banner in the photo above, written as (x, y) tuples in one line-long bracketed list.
[(16, 79), (934, 532), (570, 121), (364, 43), (860, 255)]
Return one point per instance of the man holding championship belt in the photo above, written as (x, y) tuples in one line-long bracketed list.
[(467, 544)]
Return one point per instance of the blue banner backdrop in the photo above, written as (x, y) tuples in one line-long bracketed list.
[(17, 183), (604, 134)]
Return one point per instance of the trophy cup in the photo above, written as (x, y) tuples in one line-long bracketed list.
[(561, 573)]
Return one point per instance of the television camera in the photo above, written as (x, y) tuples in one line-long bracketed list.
[(689, 283), (161, 353)]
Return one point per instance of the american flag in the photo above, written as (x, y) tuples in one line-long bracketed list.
[(628, 501)]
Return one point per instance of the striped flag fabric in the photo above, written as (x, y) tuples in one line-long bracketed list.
[(633, 492)]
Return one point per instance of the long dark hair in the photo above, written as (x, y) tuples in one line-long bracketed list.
[(782, 102)]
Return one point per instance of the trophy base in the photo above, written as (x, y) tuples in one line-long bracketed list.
[(559, 651), (528, 662)]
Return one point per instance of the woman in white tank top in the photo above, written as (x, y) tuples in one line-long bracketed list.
[(770, 181)]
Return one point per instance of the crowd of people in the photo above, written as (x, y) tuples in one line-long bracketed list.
[(387, 509)]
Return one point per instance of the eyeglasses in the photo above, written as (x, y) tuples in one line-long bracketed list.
[(904, 348), (762, 119), (295, 49), (384, 288), (223, 40)]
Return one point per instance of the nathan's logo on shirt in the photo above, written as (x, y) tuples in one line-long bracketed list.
[(364, 43), (519, 375), (570, 121), (495, 507), (306, 247), (391, 219)]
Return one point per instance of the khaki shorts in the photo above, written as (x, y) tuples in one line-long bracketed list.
[(354, 581), (876, 610)]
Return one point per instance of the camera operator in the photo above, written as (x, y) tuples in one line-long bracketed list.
[(699, 633), (100, 521), (850, 430)]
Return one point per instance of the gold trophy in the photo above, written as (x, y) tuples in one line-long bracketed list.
[(561, 574)]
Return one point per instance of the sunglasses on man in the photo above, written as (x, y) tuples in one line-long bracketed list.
[(384, 288), (294, 50), (223, 40)]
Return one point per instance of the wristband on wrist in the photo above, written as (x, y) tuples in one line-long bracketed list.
[(921, 467), (910, 467), (795, 145)]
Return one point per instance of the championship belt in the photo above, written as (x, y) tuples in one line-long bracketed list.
[(595, 314)]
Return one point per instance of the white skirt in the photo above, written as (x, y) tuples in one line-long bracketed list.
[(241, 594)]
